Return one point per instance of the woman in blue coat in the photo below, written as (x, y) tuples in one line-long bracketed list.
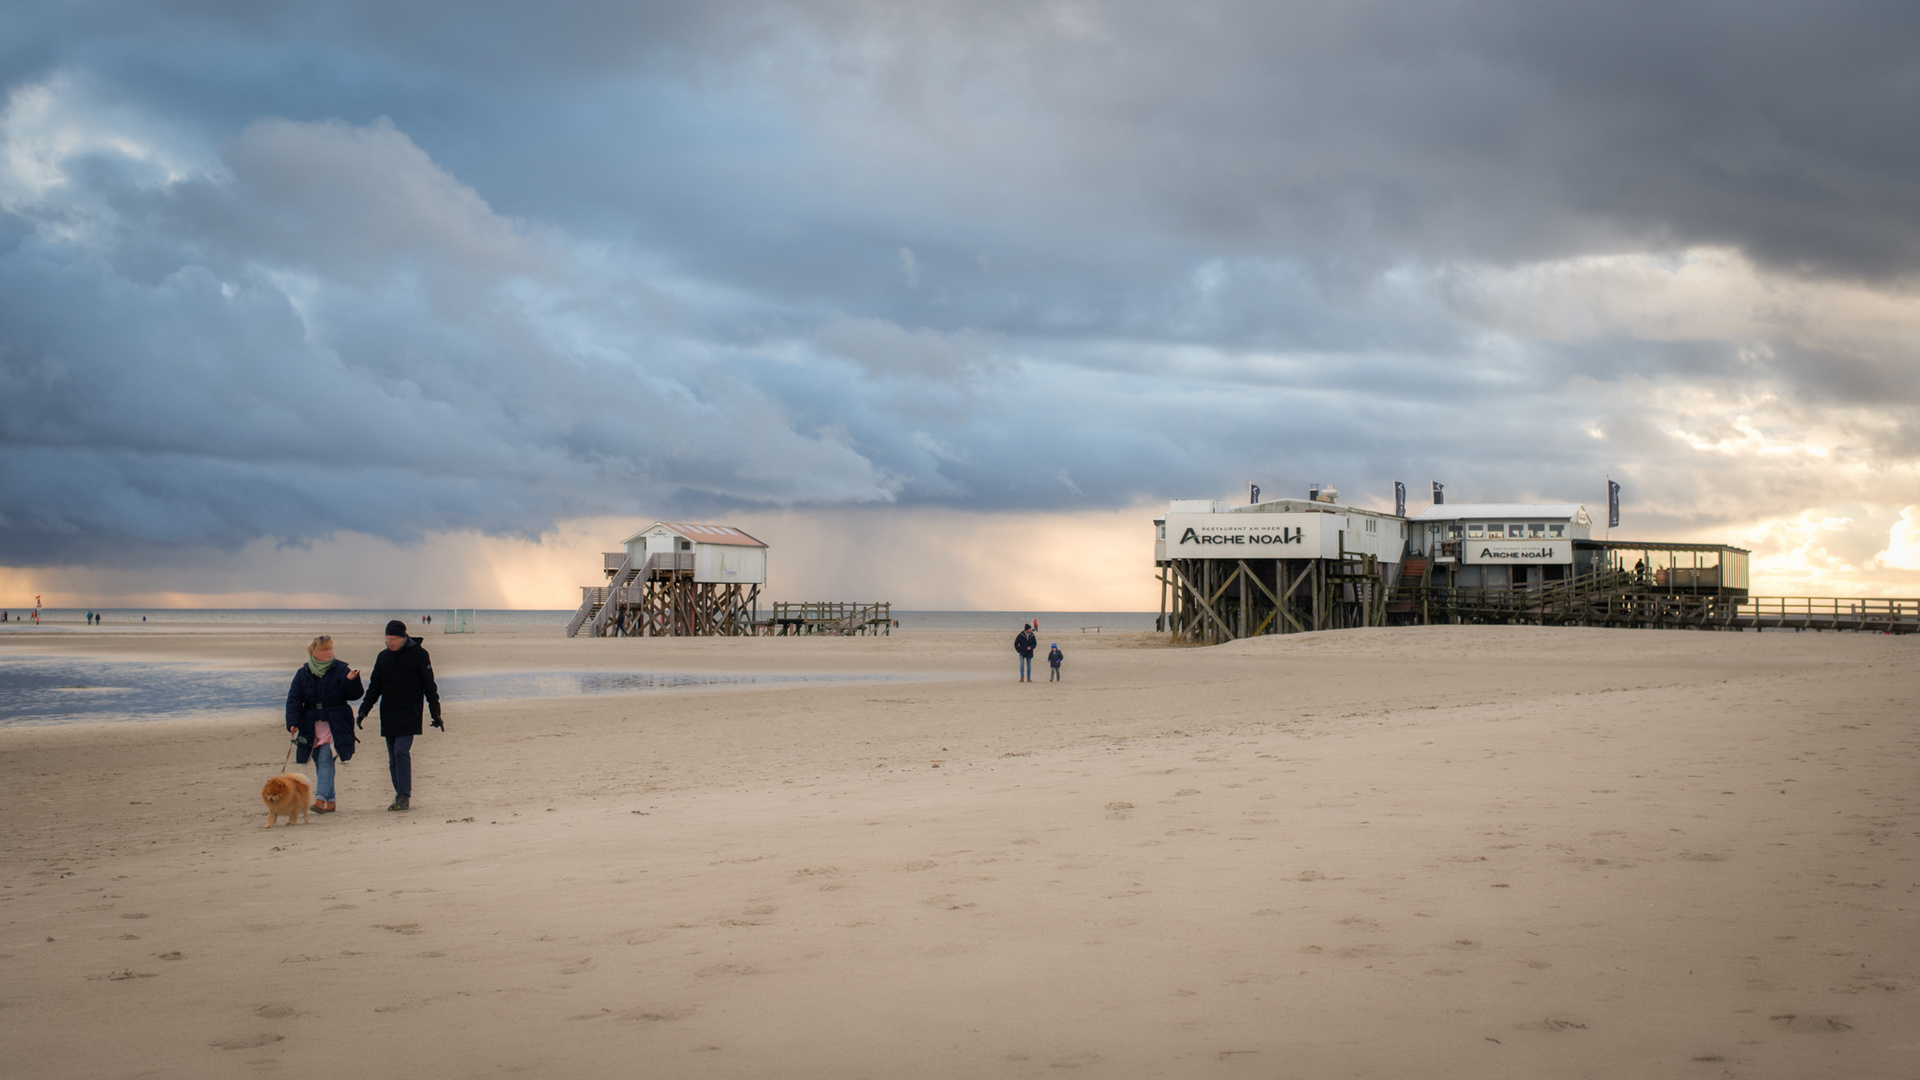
[(317, 712)]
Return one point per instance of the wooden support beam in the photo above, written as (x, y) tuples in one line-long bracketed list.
[(1198, 599)]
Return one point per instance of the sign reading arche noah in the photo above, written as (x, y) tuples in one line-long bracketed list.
[(1282, 536), (1488, 552)]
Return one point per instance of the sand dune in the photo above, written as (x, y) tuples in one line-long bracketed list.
[(1473, 852)]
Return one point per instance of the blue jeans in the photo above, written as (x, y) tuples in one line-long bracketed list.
[(1026, 667), (323, 759), (400, 763)]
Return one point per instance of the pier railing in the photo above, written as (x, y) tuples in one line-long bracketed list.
[(827, 617), (1622, 598)]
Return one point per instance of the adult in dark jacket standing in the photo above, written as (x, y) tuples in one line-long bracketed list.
[(317, 712), (402, 679), (1024, 645)]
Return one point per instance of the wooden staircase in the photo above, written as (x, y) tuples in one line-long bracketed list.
[(623, 575)]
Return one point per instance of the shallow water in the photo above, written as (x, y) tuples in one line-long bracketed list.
[(37, 690), (175, 620)]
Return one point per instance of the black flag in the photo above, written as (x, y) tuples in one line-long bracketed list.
[(1399, 499), (1439, 493), (1613, 504), (1255, 497)]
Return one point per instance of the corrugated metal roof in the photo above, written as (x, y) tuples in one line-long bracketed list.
[(702, 534), (1502, 511)]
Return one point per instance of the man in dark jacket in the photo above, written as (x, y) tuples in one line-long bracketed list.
[(1024, 645), (402, 679)]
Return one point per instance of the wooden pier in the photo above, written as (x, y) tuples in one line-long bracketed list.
[(826, 617), (1622, 599)]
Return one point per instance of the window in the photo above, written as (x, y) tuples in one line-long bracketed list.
[(1474, 532), (686, 545), (1453, 532), (1536, 530), (1163, 532), (1556, 531), (1517, 532)]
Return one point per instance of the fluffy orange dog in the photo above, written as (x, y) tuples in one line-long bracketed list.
[(286, 795)]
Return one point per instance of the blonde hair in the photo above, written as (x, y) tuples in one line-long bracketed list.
[(318, 643)]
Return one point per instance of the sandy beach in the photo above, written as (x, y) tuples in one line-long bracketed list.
[(1459, 852)]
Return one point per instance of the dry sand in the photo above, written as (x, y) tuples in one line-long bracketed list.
[(1473, 852)]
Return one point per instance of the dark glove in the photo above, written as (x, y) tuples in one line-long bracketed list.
[(437, 723), (360, 721)]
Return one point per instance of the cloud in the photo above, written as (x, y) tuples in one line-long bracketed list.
[(1903, 542), (332, 333), (885, 349), (475, 271)]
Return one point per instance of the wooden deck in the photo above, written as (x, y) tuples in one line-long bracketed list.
[(827, 617), (1621, 599)]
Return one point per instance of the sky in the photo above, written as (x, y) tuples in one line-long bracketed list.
[(425, 304)]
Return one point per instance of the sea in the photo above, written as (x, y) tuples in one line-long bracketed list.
[(39, 689), (1061, 622)]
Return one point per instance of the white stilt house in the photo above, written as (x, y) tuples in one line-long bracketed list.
[(677, 580), (1279, 566)]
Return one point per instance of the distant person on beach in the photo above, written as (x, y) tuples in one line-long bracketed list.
[(1054, 657), (1024, 645), (402, 679), (318, 714)]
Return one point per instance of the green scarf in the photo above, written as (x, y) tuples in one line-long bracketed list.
[(319, 669)]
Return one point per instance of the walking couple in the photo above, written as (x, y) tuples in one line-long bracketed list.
[(323, 724)]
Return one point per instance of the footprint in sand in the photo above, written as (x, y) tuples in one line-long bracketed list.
[(1812, 1025), (711, 970), (654, 1016), (273, 1012), (248, 1042), (399, 928), (1552, 1023)]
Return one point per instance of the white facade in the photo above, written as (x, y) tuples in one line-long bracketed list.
[(1282, 529), (720, 554), (1502, 534)]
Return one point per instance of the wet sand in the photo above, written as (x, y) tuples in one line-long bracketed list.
[(1473, 852)]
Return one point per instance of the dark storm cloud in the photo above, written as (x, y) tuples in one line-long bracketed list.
[(278, 270)]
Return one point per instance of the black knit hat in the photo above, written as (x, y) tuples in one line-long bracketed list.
[(396, 628)]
